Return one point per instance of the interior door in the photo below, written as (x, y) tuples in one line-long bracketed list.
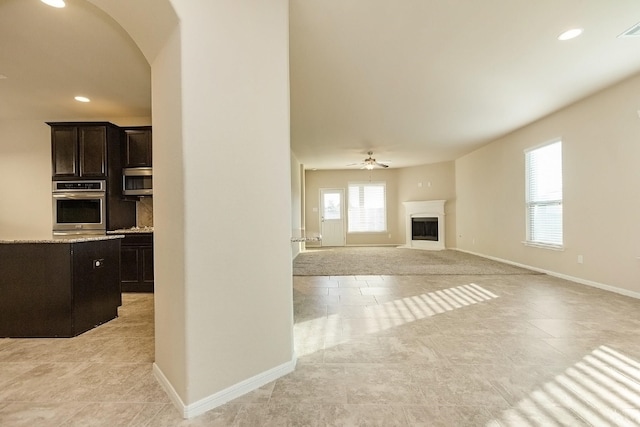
[(332, 216)]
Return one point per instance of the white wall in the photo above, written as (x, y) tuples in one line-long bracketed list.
[(315, 180), (25, 179), (237, 200), (601, 177)]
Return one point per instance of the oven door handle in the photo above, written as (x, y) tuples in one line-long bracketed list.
[(78, 196)]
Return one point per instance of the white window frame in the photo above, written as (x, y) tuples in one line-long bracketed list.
[(531, 239), (349, 203)]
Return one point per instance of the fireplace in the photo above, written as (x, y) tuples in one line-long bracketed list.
[(425, 224), (424, 228)]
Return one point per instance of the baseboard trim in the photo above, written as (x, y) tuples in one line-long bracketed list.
[(224, 396), (168, 388), (391, 245), (586, 282)]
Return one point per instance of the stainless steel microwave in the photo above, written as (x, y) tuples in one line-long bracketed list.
[(137, 181)]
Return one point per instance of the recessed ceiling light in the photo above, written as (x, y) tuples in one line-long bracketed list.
[(570, 34), (82, 99), (54, 3)]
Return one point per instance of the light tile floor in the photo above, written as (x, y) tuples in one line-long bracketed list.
[(513, 350)]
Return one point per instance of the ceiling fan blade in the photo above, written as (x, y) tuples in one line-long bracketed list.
[(370, 163)]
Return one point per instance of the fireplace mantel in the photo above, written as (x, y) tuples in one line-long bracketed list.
[(425, 209)]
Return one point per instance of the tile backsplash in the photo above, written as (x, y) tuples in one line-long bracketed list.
[(144, 212)]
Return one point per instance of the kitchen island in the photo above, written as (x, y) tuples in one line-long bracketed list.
[(58, 286)]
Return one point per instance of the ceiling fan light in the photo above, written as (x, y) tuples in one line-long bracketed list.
[(369, 166)]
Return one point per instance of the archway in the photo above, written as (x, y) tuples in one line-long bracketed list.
[(154, 27), (220, 90)]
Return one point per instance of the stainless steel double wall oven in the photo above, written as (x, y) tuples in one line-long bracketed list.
[(79, 207)]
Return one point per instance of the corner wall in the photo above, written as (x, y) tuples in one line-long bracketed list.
[(238, 315), (601, 177), (430, 182), (169, 222)]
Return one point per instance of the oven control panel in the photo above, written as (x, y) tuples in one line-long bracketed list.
[(78, 186)]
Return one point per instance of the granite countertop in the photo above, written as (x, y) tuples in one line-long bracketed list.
[(78, 238), (131, 230)]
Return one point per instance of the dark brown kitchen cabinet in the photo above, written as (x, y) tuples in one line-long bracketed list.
[(92, 144), (64, 151), (93, 151), (58, 288), (81, 151), (136, 255), (137, 147)]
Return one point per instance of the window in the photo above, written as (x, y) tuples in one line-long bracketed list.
[(544, 195), (367, 207)]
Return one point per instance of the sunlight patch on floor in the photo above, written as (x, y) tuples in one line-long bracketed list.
[(601, 389), (311, 334)]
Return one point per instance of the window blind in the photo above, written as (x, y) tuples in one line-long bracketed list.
[(367, 207), (544, 194)]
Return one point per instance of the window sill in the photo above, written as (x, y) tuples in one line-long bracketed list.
[(544, 246)]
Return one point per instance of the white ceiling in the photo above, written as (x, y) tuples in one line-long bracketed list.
[(423, 81), (50, 55), (415, 81)]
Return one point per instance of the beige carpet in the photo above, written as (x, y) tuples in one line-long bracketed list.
[(359, 261)]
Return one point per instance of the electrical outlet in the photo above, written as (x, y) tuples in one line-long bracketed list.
[(580, 259)]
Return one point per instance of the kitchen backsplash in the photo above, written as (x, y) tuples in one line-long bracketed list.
[(144, 209)]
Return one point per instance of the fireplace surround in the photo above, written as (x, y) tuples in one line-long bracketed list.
[(425, 224)]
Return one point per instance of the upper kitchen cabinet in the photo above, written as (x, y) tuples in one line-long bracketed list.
[(137, 147), (82, 150)]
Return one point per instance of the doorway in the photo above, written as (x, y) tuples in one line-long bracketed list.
[(332, 216)]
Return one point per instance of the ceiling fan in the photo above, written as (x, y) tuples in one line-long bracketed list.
[(370, 163)]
